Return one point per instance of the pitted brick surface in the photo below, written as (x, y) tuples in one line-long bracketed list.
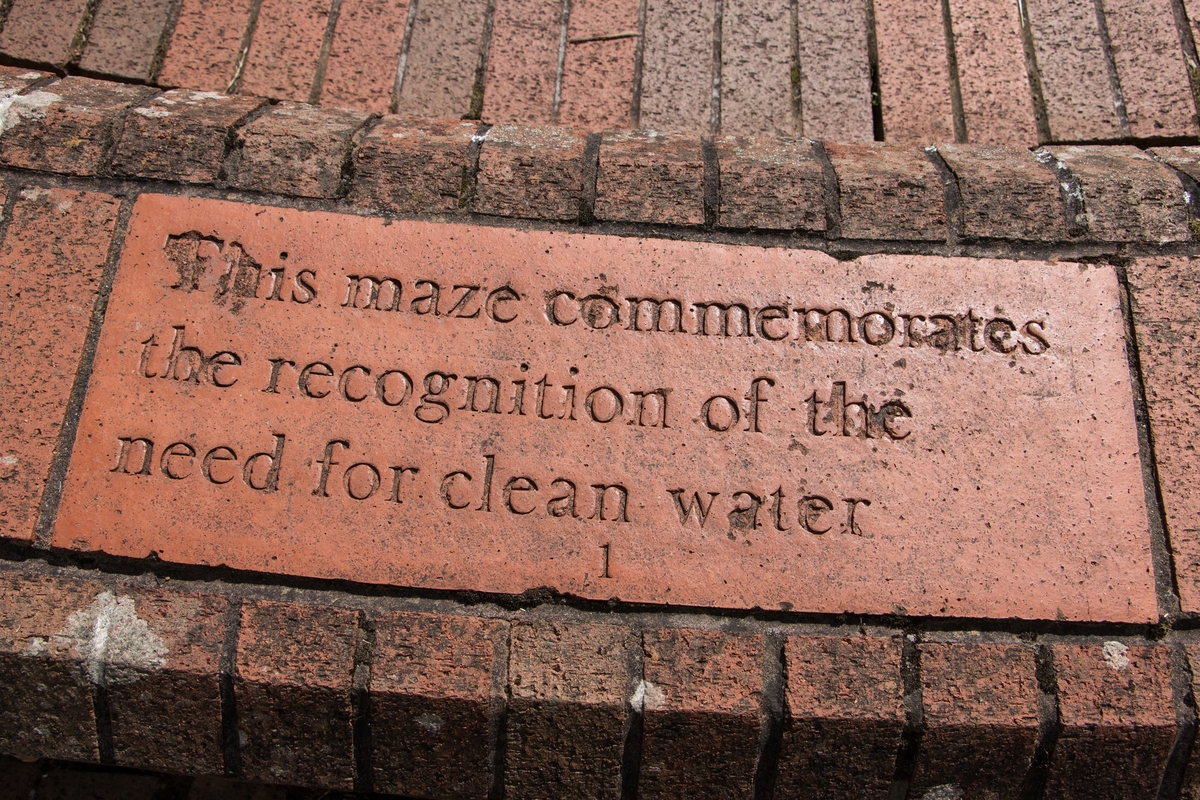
[(51, 263), (845, 714)]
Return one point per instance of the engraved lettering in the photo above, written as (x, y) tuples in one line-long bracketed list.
[(695, 507)]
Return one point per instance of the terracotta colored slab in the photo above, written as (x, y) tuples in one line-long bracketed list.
[(756, 67), (1002, 473), (914, 74), (835, 72)]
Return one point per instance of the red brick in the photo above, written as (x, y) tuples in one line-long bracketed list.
[(14, 80), (43, 31), (650, 178), (282, 61), (1150, 67), (1127, 195), (996, 98), (530, 172), (1074, 71), (700, 696), (1096, 563), (1117, 717), (162, 670), (47, 706), (981, 716), (1191, 775), (296, 149), (568, 692), (66, 127), (365, 54), (598, 69), (1006, 193), (53, 261), (439, 73), (431, 689), (523, 61), (771, 184), (835, 72), (845, 701), (206, 788), (124, 38), (756, 67), (206, 44), (181, 135), (295, 667), (1165, 296), (677, 66), (1185, 159), (888, 192), (914, 75), (408, 165)]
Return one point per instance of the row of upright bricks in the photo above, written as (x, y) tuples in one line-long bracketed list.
[(434, 697), (1012, 72), (410, 165)]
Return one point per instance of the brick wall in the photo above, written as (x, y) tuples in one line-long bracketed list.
[(210, 671), (964, 71)]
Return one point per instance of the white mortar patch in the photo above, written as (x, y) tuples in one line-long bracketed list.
[(115, 644), (647, 695), (1114, 655), (15, 108)]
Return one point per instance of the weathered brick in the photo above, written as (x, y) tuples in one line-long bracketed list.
[(45, 692), (1165, 299), (408, 165), (431, 686), (164, 696), (770, 183), (439, 74), (677, 79), (1117, 717), (181, 135), (845, 716), (43, 31), (52, 263), (981, 716), (1150, 68), (124, 38), (365, 54), (567, 685), (206, 44), (282, 61), (888, 192), (756, 67), (835, 71), (296, 149), (66, 127), (1006, 193), (295, 667), (646, 177), (701, 696), (1191, 775), (1074, 71), (914, 75), (598, 68), (996, 98), (1127, 195), (523, 61), (530, 172), (13, 81), (1184, 159)]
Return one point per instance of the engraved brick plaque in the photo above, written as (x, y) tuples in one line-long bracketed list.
[(455, 407)]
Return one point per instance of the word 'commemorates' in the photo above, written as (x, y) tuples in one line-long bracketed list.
[(449, 407)]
